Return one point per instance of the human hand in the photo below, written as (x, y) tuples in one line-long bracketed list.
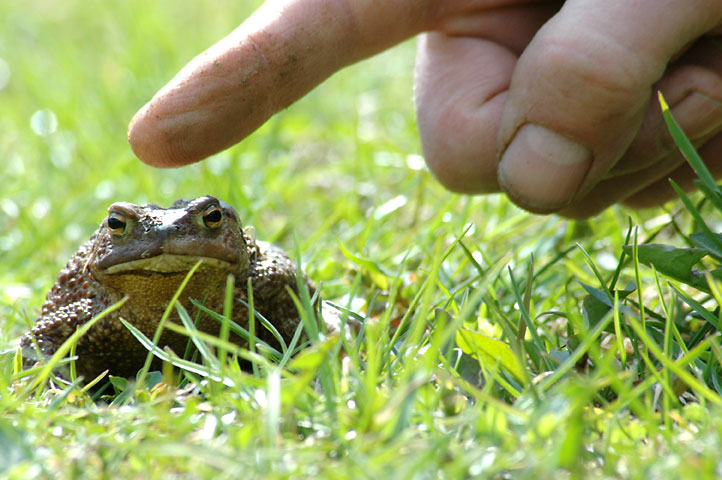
[(552, 102)]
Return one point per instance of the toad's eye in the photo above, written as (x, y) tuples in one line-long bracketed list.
[(213, 217), (116, 223)]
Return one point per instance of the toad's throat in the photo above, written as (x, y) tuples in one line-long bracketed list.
[(166, 263)]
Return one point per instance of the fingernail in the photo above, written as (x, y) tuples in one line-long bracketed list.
[(542, 170), (699, 115)]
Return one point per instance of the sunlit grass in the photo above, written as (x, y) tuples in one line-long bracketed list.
[(494, 343)]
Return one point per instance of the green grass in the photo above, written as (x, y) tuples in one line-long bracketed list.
[(452, 393)]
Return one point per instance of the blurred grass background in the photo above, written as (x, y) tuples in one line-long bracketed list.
[(342, 165)]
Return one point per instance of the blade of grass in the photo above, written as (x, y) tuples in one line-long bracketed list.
[(169, 356), (577, 354), (623, 401), (618, 330), (521, 329), (698, 307), (685, 376), (227, 315), (65, 347), (696, 215), (242, 332), (190, 329), (164, 318), (526, 318), (688, 150)]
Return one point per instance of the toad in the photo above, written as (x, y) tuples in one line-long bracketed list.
[(144, 253)]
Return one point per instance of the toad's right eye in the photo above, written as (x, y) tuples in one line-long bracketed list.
[(116, 223)]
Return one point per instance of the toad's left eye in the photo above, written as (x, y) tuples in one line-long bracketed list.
[(213, 217), (116, 223)]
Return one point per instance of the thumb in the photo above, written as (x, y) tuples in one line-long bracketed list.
[(580, 90)]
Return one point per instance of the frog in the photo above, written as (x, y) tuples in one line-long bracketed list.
[(140, 255)]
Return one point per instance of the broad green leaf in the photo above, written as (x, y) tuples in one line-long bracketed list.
[(488, 351), (593, 310), (703, 241), (597, 293), (596, 305), (120, 384), (671, 261)]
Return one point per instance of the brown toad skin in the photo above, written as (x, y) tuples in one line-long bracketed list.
[(162, 244)]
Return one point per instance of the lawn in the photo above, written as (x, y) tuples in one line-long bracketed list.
[(496, 344)]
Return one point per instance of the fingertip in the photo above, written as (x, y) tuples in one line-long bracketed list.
[(140, 138), (136, 140), (153, 144)]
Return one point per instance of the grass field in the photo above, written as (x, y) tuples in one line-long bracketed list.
[(452, 393)]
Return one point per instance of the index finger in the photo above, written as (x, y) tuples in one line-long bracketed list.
[(282, 51)]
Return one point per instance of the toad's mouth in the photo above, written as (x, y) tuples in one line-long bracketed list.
[(166, 263)]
